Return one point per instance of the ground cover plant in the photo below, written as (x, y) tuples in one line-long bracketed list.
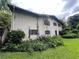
[(42, 43), (70, 50)]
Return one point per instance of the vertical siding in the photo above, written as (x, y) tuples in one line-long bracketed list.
[(23, 22), (51, 28)]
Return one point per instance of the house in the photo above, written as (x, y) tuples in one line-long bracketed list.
[(34, 24)]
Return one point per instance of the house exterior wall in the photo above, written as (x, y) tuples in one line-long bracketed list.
[(25, 22), (51, 27)]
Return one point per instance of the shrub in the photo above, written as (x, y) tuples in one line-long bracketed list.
[(59, 40), (50, 45), (34, 45), (75, 31), (40, 44), (25, 46), (8, 47), (52, 41), (64, 31), (15, 36), (47, 41), (56, 40), (43, 39), (70, 35), (5, 19)]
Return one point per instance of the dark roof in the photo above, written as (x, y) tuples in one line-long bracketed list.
[(55, 18), (21, 10)]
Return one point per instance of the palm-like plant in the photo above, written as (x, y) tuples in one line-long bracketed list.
[(5, 13), (4, 4), (5, 19)]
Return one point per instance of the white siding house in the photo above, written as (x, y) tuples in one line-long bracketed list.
[(33, 24)]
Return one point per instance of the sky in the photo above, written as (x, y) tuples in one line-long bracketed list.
[(59, 8)]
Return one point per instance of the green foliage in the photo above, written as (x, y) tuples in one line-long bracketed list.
[(9, 47), (77, 27), (15, 36), (40, 44), (13, 41), (54, 41), (73, 24), (73, 21), (5, 19), (75, 31), (31, 46), (26, 46), (70, 50), (57, 40), (63, 32), (72, 28), (70, 35), (4, 4), (43, 39)]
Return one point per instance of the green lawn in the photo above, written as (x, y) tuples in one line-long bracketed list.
[(69, 51)]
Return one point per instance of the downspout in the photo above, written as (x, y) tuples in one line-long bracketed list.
[(13, 17), (29, 33), (37, 28)]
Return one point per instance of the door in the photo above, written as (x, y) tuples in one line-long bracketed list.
[(56, 32)]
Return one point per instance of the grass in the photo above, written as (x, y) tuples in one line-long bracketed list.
[(70, 50)]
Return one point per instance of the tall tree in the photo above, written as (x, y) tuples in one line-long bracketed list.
[(73, 21)]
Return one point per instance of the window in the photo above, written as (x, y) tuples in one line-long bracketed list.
[(45, 18), (33, 32), (46, 22), (54, 24), (59, 25), (47, 32)]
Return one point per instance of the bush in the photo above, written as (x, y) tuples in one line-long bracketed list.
[(59, 40), (40, 44), (56, 40), (64, 31), (75, 31), (25, 46), (29, 46), (33, 45), (52, 41), (13, 41), (8, 47), (70, 35), (43, 39), (47, 41), (15, 36)]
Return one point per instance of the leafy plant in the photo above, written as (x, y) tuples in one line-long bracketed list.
[(5, 19), (70, 35), (15, 36), (40, 44)]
